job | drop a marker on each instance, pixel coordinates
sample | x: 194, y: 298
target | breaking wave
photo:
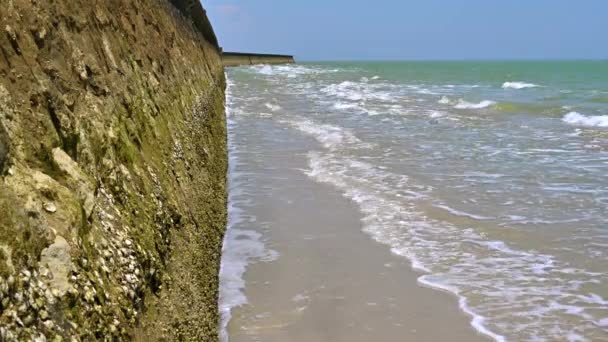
x: 503, y: 289
x: 241, y: 246
x: 578, y: 119
x: 468, y: 105
x: 518, y: 85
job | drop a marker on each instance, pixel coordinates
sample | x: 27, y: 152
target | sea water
x: 489, y: 178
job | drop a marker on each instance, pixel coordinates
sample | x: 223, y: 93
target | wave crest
x: 575, y: 118
x: 518, y: 85
x: 273, y: 107
x: 468, y: 105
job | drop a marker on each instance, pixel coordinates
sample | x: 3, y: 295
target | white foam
x: 264, y: 69
x: 241, y: 246
x: 346, y: 90
x: 503, y: 289
x: 518, y: 85
x: 579, y: 119
x: 424, y: 91
x: 289, y: 71
x: 273, y: 107
x: 372, y: 112
x: 359, y: 91
x: 346, y: 106
x: 444, y: 100
x: 461, y: 213
x: 468, y: 105
x: 510, y: 293
x: 332, y: 137
x: 300, y: 297
x: 436, y: 114
x: 477, y: 321
x: 516, y: 217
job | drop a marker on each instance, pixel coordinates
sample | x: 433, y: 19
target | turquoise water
x: 490, y: 177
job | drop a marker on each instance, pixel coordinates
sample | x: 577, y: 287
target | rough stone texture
x: 76, y: 179
x: 3, y: 148
x: 57, y: 259
x: 194, y: 11
x: 112, y: 170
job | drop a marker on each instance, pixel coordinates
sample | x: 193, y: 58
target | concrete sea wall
x: 239, y: 58
x: 112, y: 170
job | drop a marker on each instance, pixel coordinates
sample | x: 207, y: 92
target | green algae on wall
x: 112, y: 170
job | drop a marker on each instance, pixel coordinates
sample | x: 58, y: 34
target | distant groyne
x: 241, y: 58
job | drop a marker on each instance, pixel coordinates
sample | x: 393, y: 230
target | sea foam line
x: 241, y: 246
x: 288, y: 71
x: 468, y: 105
x: 506, y: 291
x: 503, y: 289
x: 518, y: 85
x: 461, y: 261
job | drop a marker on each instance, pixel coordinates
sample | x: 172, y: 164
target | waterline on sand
x: 449, y: 187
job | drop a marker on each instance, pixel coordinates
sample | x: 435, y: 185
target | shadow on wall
x: 193, y: 10
x: 4, y: 148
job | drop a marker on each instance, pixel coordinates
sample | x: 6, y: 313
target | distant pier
x: 243, y: 58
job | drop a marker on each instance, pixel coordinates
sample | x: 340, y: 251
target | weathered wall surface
x: 236, y: 58
x: 112, y: 170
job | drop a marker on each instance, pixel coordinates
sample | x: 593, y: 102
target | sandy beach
x: 328, y: 281
x: 347, y: 177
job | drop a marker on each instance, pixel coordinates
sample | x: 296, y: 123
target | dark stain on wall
x: 4, y: 148
x: 194, y: 11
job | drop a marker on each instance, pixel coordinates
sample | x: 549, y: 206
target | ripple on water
x: 549, y: 177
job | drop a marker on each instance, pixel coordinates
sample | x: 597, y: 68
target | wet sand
x: 498, y: 198
x: 331, y: 281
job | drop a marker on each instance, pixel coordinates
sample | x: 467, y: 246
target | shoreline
x: 440, y: 186
x: 315, y: 288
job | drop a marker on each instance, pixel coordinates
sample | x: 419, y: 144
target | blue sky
x: 416, y: 29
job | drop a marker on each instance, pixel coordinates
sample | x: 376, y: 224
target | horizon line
x: 604, y: 59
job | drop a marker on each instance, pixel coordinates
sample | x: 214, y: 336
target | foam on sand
x: 578, y: 119
x: 463, y: 229
x: 462, y: 213
x: 502, y: 288
x: 241, y: 246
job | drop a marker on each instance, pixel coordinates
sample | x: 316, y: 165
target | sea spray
x: 579, y: 119
x: 518, y: 85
